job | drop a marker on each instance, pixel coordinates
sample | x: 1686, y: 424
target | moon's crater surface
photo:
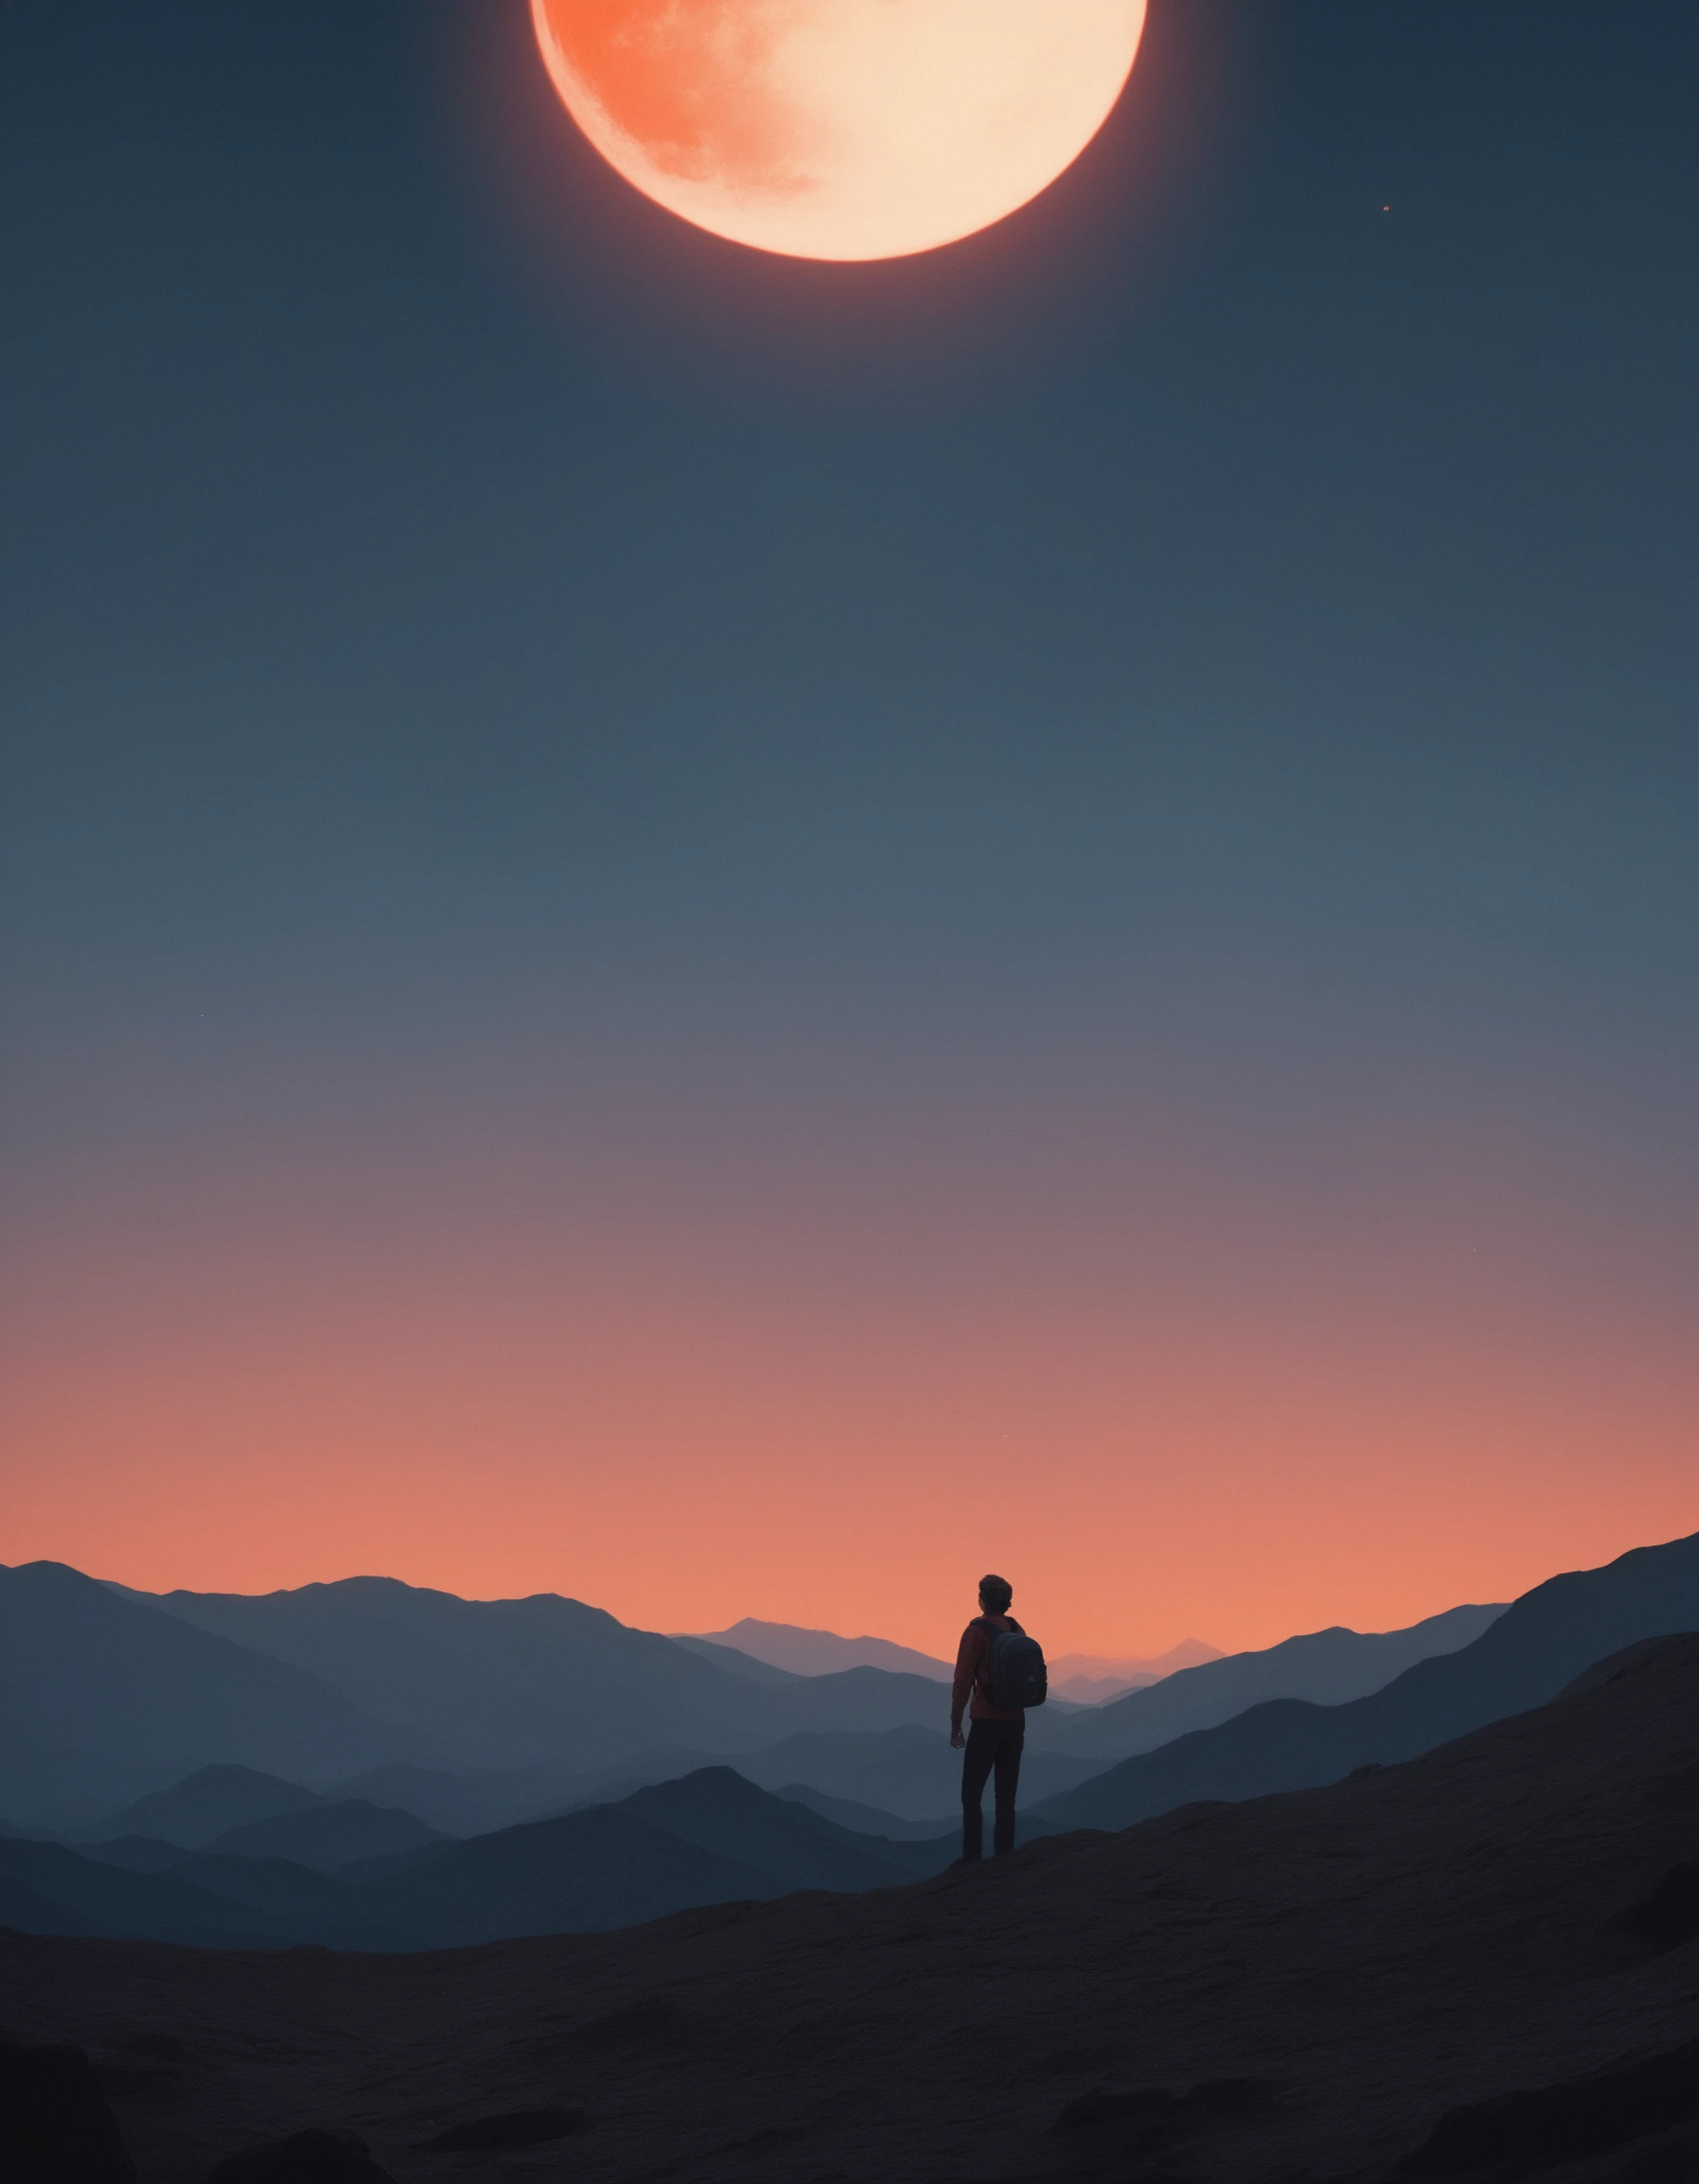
x: 840, y: 129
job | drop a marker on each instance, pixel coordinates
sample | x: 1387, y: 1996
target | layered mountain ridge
x: 476, y: 1714
x: 407, y: 1855
x: 1366, y: 1979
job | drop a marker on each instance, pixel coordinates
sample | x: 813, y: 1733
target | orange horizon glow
x: 1164, y: 1409
x: 836, y: 129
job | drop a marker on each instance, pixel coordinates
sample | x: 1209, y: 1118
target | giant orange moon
x: 841, y: 129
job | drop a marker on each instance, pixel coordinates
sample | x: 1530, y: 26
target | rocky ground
x: 1355, y: 1961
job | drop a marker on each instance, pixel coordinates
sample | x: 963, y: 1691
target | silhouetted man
x: 994, y: 1743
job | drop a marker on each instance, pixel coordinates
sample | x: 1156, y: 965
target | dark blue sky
x: 1224, y: 639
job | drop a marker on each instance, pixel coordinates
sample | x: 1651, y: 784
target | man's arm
x: 969, y: 1655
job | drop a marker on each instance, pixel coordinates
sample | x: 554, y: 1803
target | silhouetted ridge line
x: 1542, y: 1642
x: 1327, y: 1668
x: 120, y: 1696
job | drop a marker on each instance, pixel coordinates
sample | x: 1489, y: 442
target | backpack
x: 1014, y: 1673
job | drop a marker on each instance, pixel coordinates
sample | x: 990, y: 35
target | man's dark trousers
x: 991, y: 1747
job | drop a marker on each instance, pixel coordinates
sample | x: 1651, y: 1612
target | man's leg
x: 976, y: 1765
x: 1009, y: 1745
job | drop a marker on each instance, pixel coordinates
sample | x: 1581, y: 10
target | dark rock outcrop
x: 1563, y: 2122
x: 498, y: 2134
x: 1669, y: 1915
x: 1153, y: 2116
x: 307, y: 2157
x: 55, y: 2126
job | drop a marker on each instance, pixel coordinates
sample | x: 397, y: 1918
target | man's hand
x: 957, y: 1738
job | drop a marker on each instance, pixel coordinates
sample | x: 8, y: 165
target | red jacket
x: 973, y: 1665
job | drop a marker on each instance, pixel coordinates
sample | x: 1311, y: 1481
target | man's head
x: 995, y: 1596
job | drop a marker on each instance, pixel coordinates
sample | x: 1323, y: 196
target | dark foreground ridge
x: 1557, y: 2125
x: 1341, y: 1983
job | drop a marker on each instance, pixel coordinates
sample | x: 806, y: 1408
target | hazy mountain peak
x: 212, y: 1802
x: 1089, y: 1678
x: 806, y: 1652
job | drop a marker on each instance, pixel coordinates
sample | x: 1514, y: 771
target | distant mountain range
x: 102, y: 1697
x: 1136, y: 1704
x: 1526, y: 1656
x: 265, y: 1861
x: 1325, y: 1667
x: 242, y: 1856
x: 474, y: 1714
x: 709, y: 1838
x: 818, y: 1652
x: 1085, y: 1678
x: 107, y: 1693
x: 386, y: 1716
x: 335, y: 1836
x: 500, y: 1682
x: 212, y: 1802
x: 1089, y: 1678
x: 511, y: 1684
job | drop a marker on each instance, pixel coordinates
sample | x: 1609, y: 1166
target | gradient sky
x: 739, y: 937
